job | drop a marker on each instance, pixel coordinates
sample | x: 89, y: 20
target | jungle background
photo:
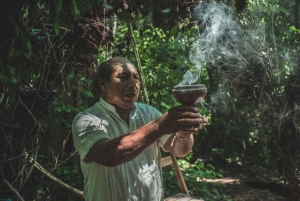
x: 49, y: 51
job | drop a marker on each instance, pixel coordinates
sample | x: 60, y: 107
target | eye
x: 122, y: 76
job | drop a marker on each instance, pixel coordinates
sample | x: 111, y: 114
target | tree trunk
x: 297, y: 7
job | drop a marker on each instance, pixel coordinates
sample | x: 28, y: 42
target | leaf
x: 54, y: 103
x: 71, y: 75
x: 107, y: 6
x: 57, y: 109
x: 75, y: 8
x: 220, y: 175
x: 56, y: 26
x: 148, y: 19
x: 59, y: 6
x: 89, y: 94
x: 13, y: 80
x: 174, y: 30
x: 28, y: 53
x: 215, y: 190
x: 67, y: 109
x: 165, y: 105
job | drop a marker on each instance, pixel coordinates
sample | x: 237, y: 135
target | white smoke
x: 222, y: 41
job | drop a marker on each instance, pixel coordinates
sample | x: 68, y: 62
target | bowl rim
x: 190, y: 87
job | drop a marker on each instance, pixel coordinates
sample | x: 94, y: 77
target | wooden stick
x: 139, y: 65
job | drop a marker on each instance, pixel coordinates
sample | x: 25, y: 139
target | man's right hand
x: 183, y: 118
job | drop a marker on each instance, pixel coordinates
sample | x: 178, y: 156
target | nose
x: 132, y: 82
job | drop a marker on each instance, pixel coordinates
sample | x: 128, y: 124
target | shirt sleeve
x: 86, y: 130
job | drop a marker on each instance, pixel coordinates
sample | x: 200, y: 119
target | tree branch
x: 53, y: 178
x: 9, y: 185
x: 30, y: 114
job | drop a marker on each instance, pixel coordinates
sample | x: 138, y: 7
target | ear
x: 101, y: 84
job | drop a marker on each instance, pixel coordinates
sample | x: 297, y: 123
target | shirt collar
x: 111, y: 108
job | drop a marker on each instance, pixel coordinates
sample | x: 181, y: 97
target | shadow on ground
x: 242, y: 185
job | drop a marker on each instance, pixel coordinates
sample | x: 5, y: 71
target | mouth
x: 130, y: 95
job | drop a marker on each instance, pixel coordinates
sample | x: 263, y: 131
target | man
x: 118, y: 139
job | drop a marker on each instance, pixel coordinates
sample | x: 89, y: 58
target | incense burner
x: 190, y: 94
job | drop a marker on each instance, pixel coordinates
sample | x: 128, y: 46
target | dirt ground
x: 242, y: 185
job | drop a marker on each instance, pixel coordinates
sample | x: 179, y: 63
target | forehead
x: 123, y: 67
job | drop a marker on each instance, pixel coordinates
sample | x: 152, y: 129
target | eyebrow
x: 127, y: 72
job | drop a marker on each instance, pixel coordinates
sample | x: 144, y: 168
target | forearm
x: 179, y: 148
x: 126, y: 147
x: 112, y: 152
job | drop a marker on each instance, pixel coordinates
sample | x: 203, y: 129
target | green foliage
x: 52, y: 48
x: 195, y: 176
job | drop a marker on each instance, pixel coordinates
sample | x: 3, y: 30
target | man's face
x: 123, y: 87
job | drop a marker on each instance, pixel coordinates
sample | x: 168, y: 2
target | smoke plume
x: 221, y: 41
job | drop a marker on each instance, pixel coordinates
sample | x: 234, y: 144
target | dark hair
x: 104, y: 72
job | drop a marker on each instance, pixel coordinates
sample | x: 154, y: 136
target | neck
x: 124, y: 114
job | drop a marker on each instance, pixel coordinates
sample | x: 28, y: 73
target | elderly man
x: 118, y: 139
